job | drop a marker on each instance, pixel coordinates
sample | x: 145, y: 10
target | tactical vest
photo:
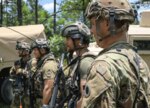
x: 20, y: 64
x: 18, y: 78
x: 130, y: 74
x: 79, y: 71
x: 38, y: 75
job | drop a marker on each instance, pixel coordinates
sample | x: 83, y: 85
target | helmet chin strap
x: 112, y: 28
x: 41, y: 55
x: 78, y: 48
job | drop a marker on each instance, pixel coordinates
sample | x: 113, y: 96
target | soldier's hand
x: 19, y: 71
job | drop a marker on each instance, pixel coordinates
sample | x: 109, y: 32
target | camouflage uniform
x: 79, y: 65
x: 19, y: 76
x: 118, y: 78
x: 17, y: 73
x: 46, y: 68
x: 114, y: 79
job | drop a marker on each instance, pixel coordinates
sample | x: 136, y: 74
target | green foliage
x: 57, y: 45
x: 145, y: 0
x: 10, y: 14
x: 72, y: 10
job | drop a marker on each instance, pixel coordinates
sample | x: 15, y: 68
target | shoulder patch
x: 87, y: 91
x: 104, y: 73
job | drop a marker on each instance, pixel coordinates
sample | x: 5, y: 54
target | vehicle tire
x: 7, y: 91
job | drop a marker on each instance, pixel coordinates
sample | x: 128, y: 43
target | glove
x: 45, y: 106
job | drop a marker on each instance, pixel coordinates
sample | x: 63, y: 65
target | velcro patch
x: 87, y: 91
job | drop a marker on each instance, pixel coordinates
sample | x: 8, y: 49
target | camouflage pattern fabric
x: 38, y: 103
x: 25, y: 102
x: 46, y: 71
x: 19, y: 66
x: 16, y: 70
x: 20, y: 69
x: 31, y: 66
x: 113, y: 80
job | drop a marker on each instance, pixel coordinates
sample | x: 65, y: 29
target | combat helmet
x: 41, y: 43
x: 77, y: 30
x: 117, y: 9
x: 22, y: 46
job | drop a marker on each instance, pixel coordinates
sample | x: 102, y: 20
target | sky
x: 48, y: 4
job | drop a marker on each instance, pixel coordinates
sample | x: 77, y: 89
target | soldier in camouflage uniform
x: 17, y: 73
x: 44, y: 74
x: 77, y: 37
x: 118, y: 78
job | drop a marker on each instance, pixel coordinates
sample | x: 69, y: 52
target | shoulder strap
x: 45, y: 58
x: 75, y: 68
x: 88, y: 54
x: 118, y: 46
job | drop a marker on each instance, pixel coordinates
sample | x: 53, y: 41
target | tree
x: 28, y: 11
x: 70, y: 11
x: 57, y: 45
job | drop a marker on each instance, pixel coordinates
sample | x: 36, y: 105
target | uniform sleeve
x: 15, y: 67
x: 20, y: 71
x: 97, y: 90
x: 16, y: 71
x: 85, y: 64
x: 145, y: 77
x: 49, y: 69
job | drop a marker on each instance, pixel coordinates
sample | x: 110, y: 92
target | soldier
x: 45, y: 72
x: 17, y: 74
x: 77, y: 37
x: 118, y: 78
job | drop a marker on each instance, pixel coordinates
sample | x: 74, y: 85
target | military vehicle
x: 8, y: 53
x: 139, y: 36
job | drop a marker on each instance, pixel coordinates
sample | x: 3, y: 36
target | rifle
x: 72, y: 85
x: 30, y: 84
x: 52, y: 103
x: 31, y: 89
